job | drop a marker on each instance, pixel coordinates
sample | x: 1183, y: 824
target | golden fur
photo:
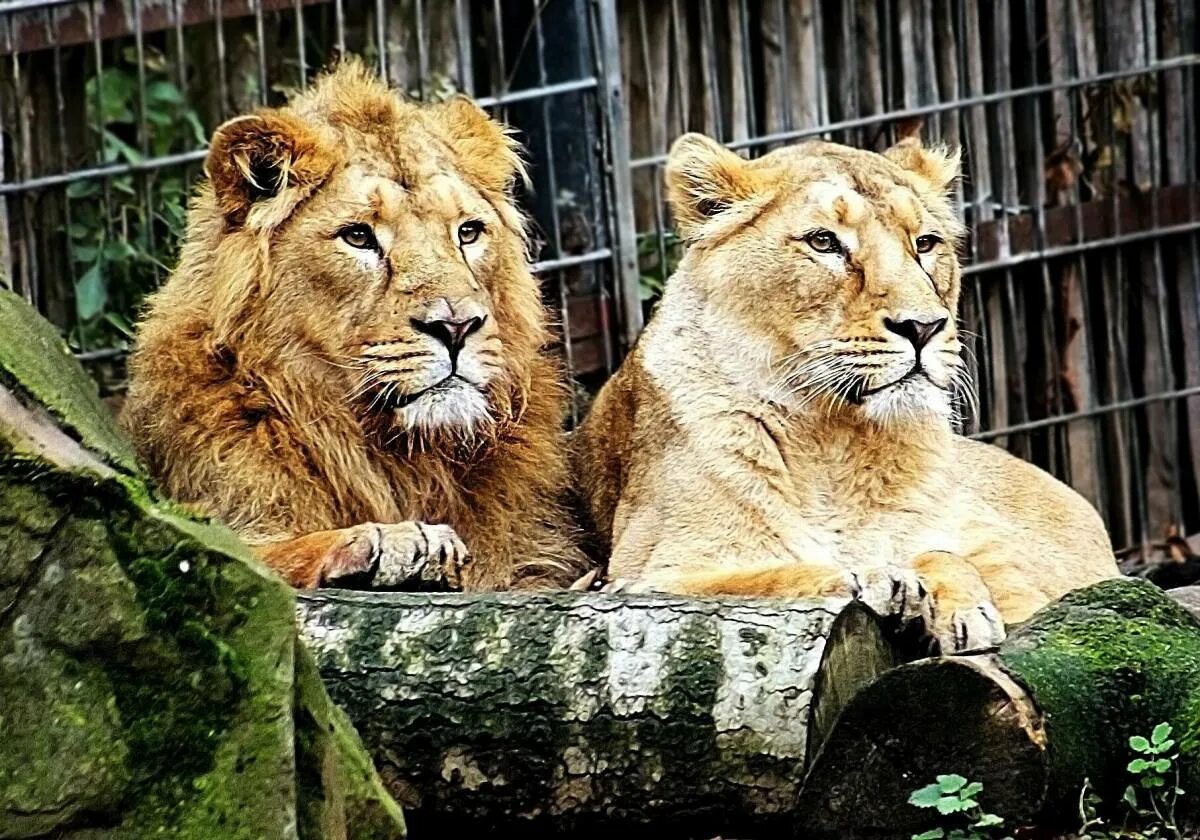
x: 353, y: 347
x: 770, y: 434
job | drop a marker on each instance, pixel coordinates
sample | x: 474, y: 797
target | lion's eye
x: 469, y: 232
x: 823, y: 241
x: 359, y: 236
x: 927, y: 242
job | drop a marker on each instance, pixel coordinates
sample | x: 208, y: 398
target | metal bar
x: 624, y: 234
x: 949, y: 105
x: 151, y: 164
x: 1122, y: 405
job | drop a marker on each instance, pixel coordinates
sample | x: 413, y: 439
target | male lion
x: 783, y: 425
x: 348, y: 365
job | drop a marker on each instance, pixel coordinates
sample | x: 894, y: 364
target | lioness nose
x: 452, y: 332
x: 918, y: 332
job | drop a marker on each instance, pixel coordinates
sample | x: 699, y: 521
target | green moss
x: 1105, y: 663
x: 35, y: 358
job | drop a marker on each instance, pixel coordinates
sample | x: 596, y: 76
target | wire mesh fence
x: 1082, y: 290
x: 1081, y: 298
x: 107, y: 106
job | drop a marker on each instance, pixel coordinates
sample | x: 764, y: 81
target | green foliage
x: 124, y: 233
x: 657, y: 263
x: 956, y: 800
x: 1147, y: 809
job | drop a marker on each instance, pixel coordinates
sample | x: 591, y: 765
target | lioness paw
x: 966, y: 629
x: 403, y: 554
x: 890, y: 591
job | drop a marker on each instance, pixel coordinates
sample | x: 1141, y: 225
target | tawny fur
x: 739, y: 448
x: 262, y: 384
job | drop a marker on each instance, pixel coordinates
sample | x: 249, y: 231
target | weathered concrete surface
x: 575, y: 712
x: 151, y: 683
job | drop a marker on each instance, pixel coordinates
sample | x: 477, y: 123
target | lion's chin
x: 913, y: 399
x: 458, y: 407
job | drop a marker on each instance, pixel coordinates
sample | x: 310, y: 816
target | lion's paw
x: 966, y: 628
x: 890, y: 591
x: 403, y: 554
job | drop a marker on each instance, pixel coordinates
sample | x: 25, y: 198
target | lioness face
x: 391, y: 247
x: 835, y: 269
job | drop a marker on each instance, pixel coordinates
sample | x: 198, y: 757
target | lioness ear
x: 937, y: 167
x: 270, y: 156
x: 704, y: 179
x: 485, y: 150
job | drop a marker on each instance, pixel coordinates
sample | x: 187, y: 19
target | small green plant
x: 956, y: 801
x: 123, y: 237
x: 1149, y: 801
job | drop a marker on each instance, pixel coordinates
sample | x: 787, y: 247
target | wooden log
x: 551, y: 713
x: 1057, y: 704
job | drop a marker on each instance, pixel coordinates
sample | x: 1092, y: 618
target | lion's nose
x: 917, y: 331
x: 452, y: 332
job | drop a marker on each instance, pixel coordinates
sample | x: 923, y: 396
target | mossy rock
x: 151, y: 681
x: 1106, y: 663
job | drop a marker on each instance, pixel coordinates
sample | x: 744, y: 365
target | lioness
x: 348, y: 364
x: 783, y: 425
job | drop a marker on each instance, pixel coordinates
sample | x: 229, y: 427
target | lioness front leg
x: 889, y: 591
x: 393, y: 555
x: 960, y: 613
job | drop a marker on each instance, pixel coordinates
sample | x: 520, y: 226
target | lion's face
x: 832, y: 271
x: 400, y: 258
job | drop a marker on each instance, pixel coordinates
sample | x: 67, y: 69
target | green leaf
x: 925, y: 797
x: 1162, y: 765
x: 90, y: 294
x: 119, y: 249
x: 1138, y: 765
x: 1130, y: 797
x: 971, y: 790
x: 164, y: 91
x: 1164, y: 746
x: 951, y: 805
x: 987, y: 820
x: 1160, y: 733
x: 1139, y: 743
x: 83, y: 189
x: 84, y: 253
x: 119, y: 323
x: 932, y: 834
x: 951, y: 783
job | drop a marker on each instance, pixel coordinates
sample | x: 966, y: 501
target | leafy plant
x: 1148, y: 802
x: 656, y: 265
x: 124, y: 233
x: 955, y: 800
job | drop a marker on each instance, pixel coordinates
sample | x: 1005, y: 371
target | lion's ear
x: 704, y: 179
x: 269, y: 158
x: 485, y: 150
x: 938, y: 166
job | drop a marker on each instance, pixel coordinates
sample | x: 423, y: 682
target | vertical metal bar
x: 785, y: 68
x: 612, y: 103
x: 222, y: 81
x: 260, y: 47
x: 462, y: 42
x: 500, y: 84
x: 301, y: 57
x: 339, y: 26
x: 422, y: 52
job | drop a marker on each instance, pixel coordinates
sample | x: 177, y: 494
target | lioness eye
x: 359, y: 236
x: 468, y: 232
x: 927, y: 242
x: 823, y: 241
